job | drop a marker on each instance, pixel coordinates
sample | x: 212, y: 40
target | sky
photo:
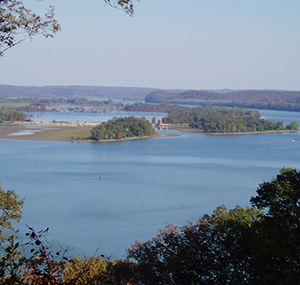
x: 168, y: 44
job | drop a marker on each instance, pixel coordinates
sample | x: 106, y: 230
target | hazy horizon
x: 190, y: 45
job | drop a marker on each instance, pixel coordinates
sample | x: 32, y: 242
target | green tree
x: 119, y: 128
x: 239, y: 246
x: 11, y: 115
x: 217, y: 249
x: 10, y: 212
x: 278, y: 247
x: 293, y: 126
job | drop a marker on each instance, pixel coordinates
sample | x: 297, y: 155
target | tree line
x: 259, y: 99
x: 280, y: 106
x: 251, y: 245
x: 38, y: 104
x: 123, y: 127
x: 226, y: 120
x: 262, y: 96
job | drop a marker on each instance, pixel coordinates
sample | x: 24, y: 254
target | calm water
x: 111, y: 194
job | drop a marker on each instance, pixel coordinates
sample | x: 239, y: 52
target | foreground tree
x: 216, y: 249
x: 18, y: 23
x: 10, y: 212
x: 278, y: 247
x: 240, y: 246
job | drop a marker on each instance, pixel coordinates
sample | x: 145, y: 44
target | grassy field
x: 63, y: 134
x: 46, y: 133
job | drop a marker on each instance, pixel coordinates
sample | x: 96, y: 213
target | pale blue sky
x: 186, y: 44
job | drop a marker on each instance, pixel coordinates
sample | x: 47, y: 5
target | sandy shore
x: 56, y: 124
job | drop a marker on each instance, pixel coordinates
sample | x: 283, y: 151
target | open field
x: 43, y: 132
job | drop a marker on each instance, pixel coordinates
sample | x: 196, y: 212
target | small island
x: 122, y: 128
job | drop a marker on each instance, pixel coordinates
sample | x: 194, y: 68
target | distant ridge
x: 260, y: 99
x: 75, y: 91
x: 241, y: 95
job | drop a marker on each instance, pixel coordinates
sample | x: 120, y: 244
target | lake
x: 107, y: 195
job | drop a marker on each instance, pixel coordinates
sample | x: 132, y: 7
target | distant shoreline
x: 254, y: 133
x: 55, y: 124
x: 232, y: 134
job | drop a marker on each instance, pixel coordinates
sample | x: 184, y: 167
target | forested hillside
x: 263, y: 99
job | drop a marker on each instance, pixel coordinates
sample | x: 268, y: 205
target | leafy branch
x: 18, y: 23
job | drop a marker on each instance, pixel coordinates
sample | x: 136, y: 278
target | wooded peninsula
x: 225, y: 120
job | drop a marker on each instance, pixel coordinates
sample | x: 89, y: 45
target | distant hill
x: 259, y: 99
x: 243, y: 95
x: 134, y: 93
x: 264, y: 99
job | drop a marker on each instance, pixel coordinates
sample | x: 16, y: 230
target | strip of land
x: 44, y: 132
x: 79, y: 132
x: 54, y: 132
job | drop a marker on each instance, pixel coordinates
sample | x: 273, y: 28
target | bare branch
x: 125, y: 5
